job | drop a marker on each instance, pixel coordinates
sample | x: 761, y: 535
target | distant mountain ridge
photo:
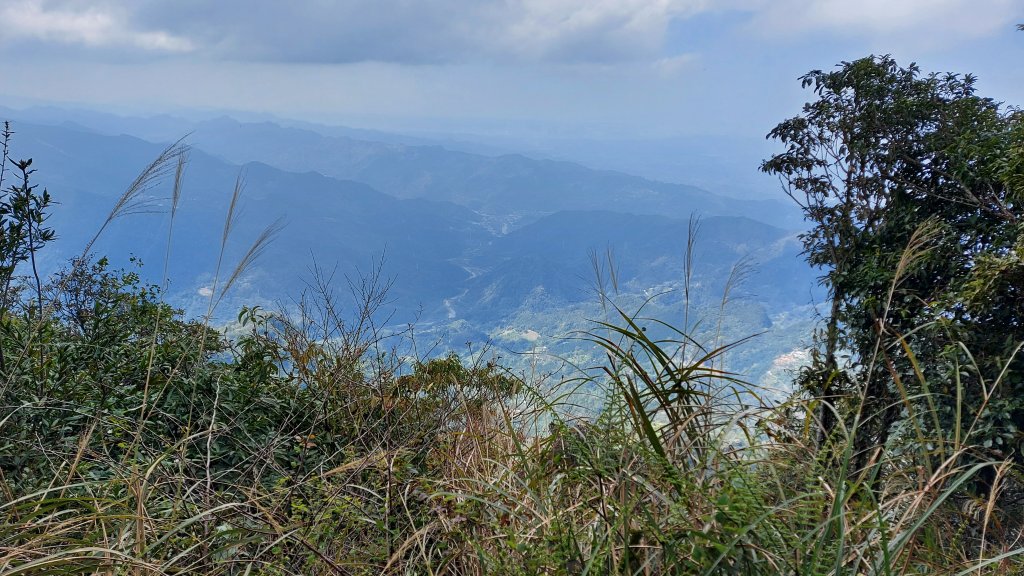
x: 510, y: 184
x: 473, y: 244
x: 511, y: 187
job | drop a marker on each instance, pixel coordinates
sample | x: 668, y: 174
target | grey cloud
x: 419, y: 31
x: 41, y: 25
x: 385, y: 30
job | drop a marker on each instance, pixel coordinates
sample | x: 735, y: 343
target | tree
x: 23, y: 215
x: 912, y: 184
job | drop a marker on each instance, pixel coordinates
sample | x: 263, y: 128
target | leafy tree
x: 23, y: 215
x: 912, y: 184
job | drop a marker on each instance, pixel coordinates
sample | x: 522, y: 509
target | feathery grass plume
x: 256, y: 249
x: 738, y: 273
x: 229, y: 222
x: 920, y: 244
x: 233, y: 212
x: 692, y: 232
x: 134, y: 199
x: 179, y: 173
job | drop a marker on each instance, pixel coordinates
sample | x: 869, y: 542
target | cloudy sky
x: 629, y: 67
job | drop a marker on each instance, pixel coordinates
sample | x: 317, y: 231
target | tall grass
x: 307, y: 444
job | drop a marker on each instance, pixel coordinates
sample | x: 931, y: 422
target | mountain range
x: 476, y: 247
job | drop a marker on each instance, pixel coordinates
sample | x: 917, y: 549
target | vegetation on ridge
x: 138, y: 441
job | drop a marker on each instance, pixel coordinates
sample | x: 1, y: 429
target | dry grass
x: 308, y: 445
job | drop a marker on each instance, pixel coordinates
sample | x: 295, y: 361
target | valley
x: 474, y: 249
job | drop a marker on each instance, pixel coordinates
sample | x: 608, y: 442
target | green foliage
x: 22, y: 218
x: 23, y: 214
x: 912, y: 184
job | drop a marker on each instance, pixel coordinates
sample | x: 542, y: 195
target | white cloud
x: 349, y: 31
x: 576, y: 29
x: 480, y: 31
x: 920, y: 21
x: 92, y: 26
x: 424, y: 31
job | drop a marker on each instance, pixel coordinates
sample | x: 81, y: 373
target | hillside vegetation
x: 138, y: 440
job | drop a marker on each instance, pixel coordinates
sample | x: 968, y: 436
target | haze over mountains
x: 482, y: 248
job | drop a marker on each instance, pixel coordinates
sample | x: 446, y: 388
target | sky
x: 621, y: 68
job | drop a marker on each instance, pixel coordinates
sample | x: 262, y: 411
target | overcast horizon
x: 624, y: 68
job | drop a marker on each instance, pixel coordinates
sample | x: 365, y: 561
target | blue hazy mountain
x: 475, y: 171
x: 648, y: 251
x: 332, y: 222
x: 503, y: 186
x: 476, y: 247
